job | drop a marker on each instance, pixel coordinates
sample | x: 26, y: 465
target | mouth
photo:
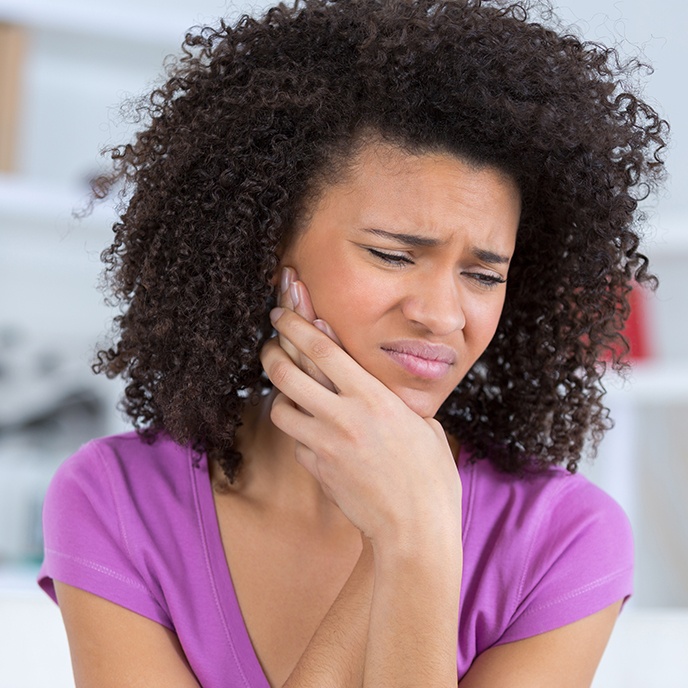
x: 421, y: 359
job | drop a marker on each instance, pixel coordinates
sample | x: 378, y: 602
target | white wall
x: 84, y: 58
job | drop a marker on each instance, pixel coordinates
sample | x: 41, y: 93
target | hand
x: 390, y: 471
x: 295, y: 296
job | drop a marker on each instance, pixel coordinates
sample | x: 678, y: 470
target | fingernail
x: 285, y: 280
x: 323, y: 327
x: 276, y: 314
x: 294, y: 293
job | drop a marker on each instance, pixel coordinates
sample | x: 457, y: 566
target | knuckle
x: 374, y: 402
x: 310, y: 369
x: 279, y: 373
x: 350, y: 432
x: 321, y: 349
x: 267, y: 351
x: 276, y: 413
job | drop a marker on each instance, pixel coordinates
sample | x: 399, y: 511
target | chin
x: 421, y: 403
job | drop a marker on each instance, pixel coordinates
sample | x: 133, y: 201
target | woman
x: 290, y: 512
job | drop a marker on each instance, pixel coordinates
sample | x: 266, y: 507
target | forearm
x: 335, y: 656
x: 412, y: 638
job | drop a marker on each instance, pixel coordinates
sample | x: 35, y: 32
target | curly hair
x: 256, y: 117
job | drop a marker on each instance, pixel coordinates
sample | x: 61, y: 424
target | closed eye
x: 484, y: 280
x: 390, y: 258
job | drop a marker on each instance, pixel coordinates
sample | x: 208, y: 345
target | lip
x: 421, y: 359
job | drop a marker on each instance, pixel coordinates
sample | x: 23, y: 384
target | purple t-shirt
x: 136, y: 524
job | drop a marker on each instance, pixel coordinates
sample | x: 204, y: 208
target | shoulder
x: 112, y: 515
x: 122, y: 483
x: 127, y: 452
x: 539, y: 506
x: 551, y: 547
x: 117, y: 465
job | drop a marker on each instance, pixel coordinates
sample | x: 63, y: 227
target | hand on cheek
x: 390, y: 471
x: 294, y: 296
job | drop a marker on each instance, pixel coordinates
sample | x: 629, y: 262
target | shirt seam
x: 102, y: 569
x: 118, y: 513
x: 533, y: 539
x: 470, y: 468
x: 578, y: 592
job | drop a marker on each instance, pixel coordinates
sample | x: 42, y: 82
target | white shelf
x: 655, y: 382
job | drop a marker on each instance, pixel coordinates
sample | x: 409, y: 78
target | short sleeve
x: 580, y: 561
x: 86, y: 542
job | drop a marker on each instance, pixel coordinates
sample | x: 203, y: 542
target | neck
x: 271, y: 478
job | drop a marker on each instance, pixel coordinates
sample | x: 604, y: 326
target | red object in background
x: 636, y: 326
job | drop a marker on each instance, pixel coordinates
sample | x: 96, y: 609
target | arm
x: 335, y: 655
x: 414, y: 616
x: 414, y: 612
x: 365, y: 446
x: 566, y: 657
x: 112, y: 647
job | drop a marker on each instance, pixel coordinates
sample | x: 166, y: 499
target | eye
x: 485, y: 280
x: 390, y: 258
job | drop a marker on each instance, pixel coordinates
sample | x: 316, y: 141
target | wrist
x: 419, y: 551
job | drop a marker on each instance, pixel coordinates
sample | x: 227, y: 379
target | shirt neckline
x: 220, y: 576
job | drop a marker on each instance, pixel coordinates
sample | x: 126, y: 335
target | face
x: 407, y: 260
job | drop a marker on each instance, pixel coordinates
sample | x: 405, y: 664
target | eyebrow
x: 490, y: 256
x: 416, y: 241
x: 407, y: 239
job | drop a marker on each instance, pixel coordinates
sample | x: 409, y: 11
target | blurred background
x: 66, y: 66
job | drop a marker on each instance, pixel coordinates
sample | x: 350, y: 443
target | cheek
x: 351, y: 301
x: 333, y: 289
x: 482, y: 316
x: 348, y: 304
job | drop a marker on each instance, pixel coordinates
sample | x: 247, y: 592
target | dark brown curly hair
x: 256, y: 117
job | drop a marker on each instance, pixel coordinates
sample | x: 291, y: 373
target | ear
x: 286, y: 257
x: 274, y: 280
x: 276, y: 275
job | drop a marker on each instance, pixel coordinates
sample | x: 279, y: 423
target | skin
x: 336, y: 452
x: 449, y: 293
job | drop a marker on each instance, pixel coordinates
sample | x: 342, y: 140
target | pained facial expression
x: 407, y: 259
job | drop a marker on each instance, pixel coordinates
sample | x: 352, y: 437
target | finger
x: 294, y: 295
x: 287, y: 276
x: 289, y: 379
x: 303, y: 306
x: 302, y: 301
x: 310, y: 461
x: 282, y: 416
x: 285, y: 301
x: 346, y: 374
x: 301, y: 427
x: 325, y: 327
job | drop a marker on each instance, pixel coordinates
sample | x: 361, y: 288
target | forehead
x: 434, y: 193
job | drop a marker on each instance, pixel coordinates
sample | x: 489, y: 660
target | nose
x: 435, y: 302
